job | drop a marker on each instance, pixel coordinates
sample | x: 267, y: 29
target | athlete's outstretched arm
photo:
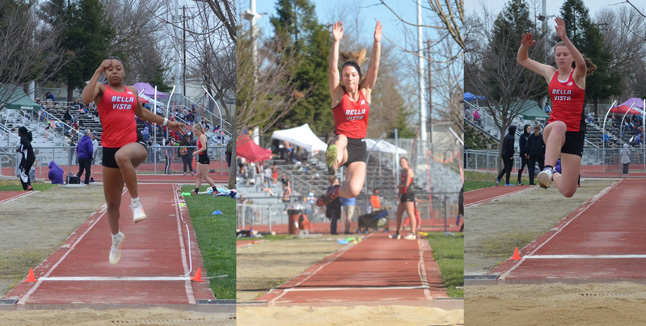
x: 93, y: 89
x: 373, y: 69
x: 581, y: 69
x: 523, y: 59
x: 333, y: 69
x: 151, y: 117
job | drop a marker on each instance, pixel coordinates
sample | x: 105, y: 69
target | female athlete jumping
x: 123, y: 147
x: 564, y: 134
x: 350, y: 106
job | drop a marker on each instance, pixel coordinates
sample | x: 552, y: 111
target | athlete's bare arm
x: 151, y: 117
x: 523, y: 59
x: 581, y: 69
x: 94, y: 90
x: 336, y: 91
x: 371, y: 76
x: 203, y: 140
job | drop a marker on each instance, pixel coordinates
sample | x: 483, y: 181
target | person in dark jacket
x: 85, y: 150
x: 28, y: 157
x: 524, y: 153
x: 536, y: 148
x: 333, y: 209
x: 507, y: 156
x: 55, y: 174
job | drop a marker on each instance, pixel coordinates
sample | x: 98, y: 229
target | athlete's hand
x: 105, y: 65
x: 177, y: 126
x: 337, y: 30
x: 527, y: 40
x: 378, y: 32
x: 560, y: 28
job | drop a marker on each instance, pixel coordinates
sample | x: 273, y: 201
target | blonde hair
x: 198, y: 127
x: 357, y: 56
x: 591, y: 67
x: 537, y: 129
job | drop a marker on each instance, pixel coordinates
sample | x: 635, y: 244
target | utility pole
x: 422, y: 95
x: 430, y: 93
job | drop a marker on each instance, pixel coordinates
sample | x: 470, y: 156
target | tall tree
x: 585, y: 35
x: 299, y: 33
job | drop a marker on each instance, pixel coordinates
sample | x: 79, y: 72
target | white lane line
x: 355, y: 288
x: 8, y: 200
x: 114, y: 278
x: 421, y: 268
x: 585, y: 257
x: 190, y: 295
x: 584, y: 208
x: 487, y: 200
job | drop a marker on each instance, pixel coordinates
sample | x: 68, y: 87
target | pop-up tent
x: 383, y: 147
x: 18, y: 100
x: 149, y: 91
x: 245, y: 147
x: 635, y: 102
x: 622, y: 109
x: 301, y: 136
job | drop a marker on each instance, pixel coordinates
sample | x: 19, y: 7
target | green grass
x: 477, y: 180
x: 16, y: 186
x: 448, y: 252
x: 216, y: 239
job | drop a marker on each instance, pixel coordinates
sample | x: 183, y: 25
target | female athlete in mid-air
x: 123, y: 147
x: 564, y: 134
x: 350, y: 106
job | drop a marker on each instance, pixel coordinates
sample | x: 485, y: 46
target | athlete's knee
x: 355, y: 189
x: 121, y: 158
x: 113, y: 205
x: 568, y: 192
x: 559, y: 127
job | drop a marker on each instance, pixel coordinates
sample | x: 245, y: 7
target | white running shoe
x: 115, y: 251
x: 410, y: 236
x: 395, y: 236
x: 138, y: 213
x: 544, y: 178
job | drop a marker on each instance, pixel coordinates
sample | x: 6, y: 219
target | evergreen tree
x: 585, y: 35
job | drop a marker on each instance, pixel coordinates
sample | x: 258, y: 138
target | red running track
x: 9, y: 196
x: 489, y: 194
x: 601, y: 240
x: 375, y: 270
x: 436, y: 226
x: 152, y: 251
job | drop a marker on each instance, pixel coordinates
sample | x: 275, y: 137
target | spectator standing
x: 287, y: 195
x: 625, y: 158
x: 27, y: 157
x: 267, y: 175
x: 348, y: 205
x: 507, y: 156
x: 536, y: 148
x: 186, y: 154
x: 85, y: 151
x: 67, y: 117
x: 524, y: 152
x: 333, y: 209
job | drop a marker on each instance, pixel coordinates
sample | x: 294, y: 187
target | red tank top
x: 403, y: 179
x: 199, y: 146
x: 568, y: 101
x: 351, y: 118
x: 117, y: 113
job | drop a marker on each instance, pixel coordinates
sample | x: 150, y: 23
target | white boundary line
x: 586, y: 205
x: 8, y: 200
x: 585, y: 257
x: 115, y: 278
x: 488, y: 200
x: 360, y: 288
x: 285, y: 291
x: 187, y: 284
x: 421, y: 266
x: 104, y: 210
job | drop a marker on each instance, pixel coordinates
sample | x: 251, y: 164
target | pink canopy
x: 245, y: 147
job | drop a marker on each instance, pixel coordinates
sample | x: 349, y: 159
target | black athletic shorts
x: 203, y: 159
x: 574, y: 143
x: 108, y: 159
x: 357, y: 151
x: 407, y: 197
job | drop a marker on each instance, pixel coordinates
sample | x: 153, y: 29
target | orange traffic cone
x: 198, y: 276
x: 516, y: 256
x: 30, y: 277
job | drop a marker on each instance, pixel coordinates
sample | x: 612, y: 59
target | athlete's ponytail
x: 353, y: 59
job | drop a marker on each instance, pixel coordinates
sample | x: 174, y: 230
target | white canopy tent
x: 301, y: 136
x: 383, y: 147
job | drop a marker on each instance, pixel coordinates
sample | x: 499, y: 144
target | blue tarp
x: 471, y: 97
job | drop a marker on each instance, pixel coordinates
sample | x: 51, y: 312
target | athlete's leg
x: 112, y: 188
x: 128, y: 158
x: 410, y: 210
x: 566, y: 182
x: 400, y: 211
x: 205, y: 174
x: 341, y: 143
x: 554, y: 138
x: 198, y: 181
x: 355, y: 176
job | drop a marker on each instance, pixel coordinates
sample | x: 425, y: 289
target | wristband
x: 165, y: 122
